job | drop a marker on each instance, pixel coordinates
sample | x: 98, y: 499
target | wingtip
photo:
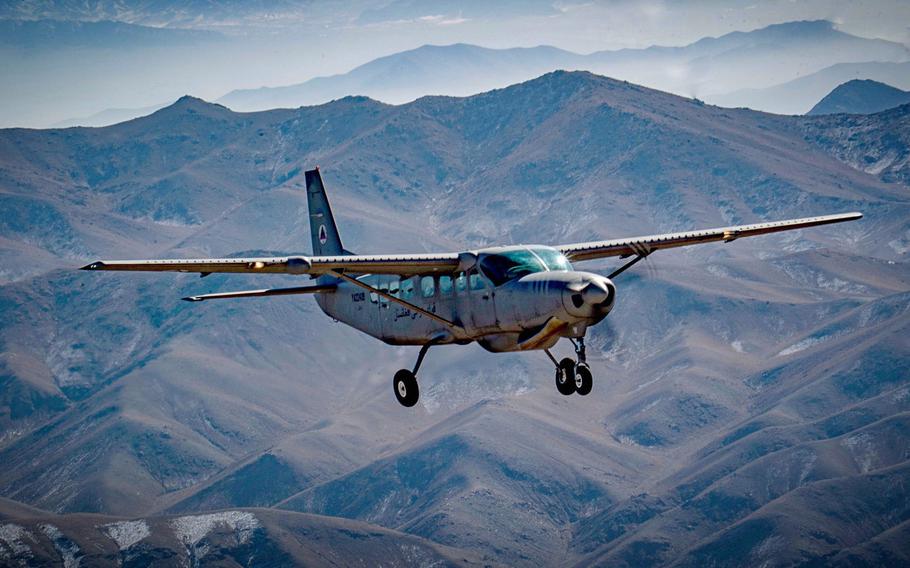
x: 192, y: 299
x: 93, y: 266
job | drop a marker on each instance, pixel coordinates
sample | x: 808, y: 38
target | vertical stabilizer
x: 323, y: 231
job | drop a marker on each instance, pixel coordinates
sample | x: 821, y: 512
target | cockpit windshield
x: 505, y: 266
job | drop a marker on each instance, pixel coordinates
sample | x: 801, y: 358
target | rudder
x: 323, y: 231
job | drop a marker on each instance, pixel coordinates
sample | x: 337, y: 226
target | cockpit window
x: 503, y: 267
x: 553, y: 259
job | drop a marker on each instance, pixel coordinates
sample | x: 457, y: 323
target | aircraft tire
x: 406, y: 390
x: 584, y: 380
x: 565, y: 377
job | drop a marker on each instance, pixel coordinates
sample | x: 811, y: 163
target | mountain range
x: 750, y: 400
x: 707, y: 68
x: 811, y: 58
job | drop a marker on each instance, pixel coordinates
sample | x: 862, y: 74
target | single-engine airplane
x: 506, y: 298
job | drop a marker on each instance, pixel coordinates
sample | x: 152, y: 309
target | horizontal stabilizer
x: 328, y: 288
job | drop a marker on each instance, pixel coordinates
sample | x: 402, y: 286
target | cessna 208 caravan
x: 506, y: 298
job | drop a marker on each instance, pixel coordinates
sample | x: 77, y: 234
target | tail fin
x: 323, y: 230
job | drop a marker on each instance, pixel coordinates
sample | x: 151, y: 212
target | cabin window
x: 475, y: 282
x: 394, y: 287
x: 383, y: 301
x: 461, y: 282
x: 407, y: 288
x: 428, y: 286
x: 374, y: 297
x: 445, y: 285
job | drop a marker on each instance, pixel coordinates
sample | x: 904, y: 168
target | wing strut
x: 628, y: 265
x: 267, y: 292
x: 392, y: 298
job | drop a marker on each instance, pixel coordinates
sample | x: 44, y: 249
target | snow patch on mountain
x: 862, y: 448
x: 126, y: 533
x: 12, y: 544
x: 66, y: 548
x: 193, y: 528
x: 802, y: 345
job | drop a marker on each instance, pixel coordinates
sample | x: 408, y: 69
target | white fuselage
x: 531, y: 311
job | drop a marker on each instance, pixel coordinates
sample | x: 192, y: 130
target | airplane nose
x: 594, y: 294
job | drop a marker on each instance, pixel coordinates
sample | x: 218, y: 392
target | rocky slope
x: 733, y: 382
x: 877, y: 143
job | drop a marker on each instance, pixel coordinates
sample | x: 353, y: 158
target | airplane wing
x: 401, y: 264
x: 406, y: 265
x: 648, y: 244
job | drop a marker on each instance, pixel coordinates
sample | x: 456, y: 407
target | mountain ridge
x: 713, y: 355
x: 407, y: 75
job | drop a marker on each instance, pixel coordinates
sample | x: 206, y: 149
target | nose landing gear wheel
x: 406, y: 390
x: 584, y: 380
x: 565, y: 377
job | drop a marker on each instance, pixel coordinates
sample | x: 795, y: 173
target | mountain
x: 457, y: 70
x: 799, y: 95
x: 748, y: 397
x: 861, y: 97
x: 758, y: 58
x: 743, y: 60
x: 243, y: 537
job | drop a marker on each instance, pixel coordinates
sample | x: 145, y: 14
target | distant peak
x: 189, y: 99
x: 820, y: 25
x: 861, y: 96
x: 798, y: 28
x: 563, y: 75
x: 191, y: 104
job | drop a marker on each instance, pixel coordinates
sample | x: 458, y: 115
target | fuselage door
x: 476, y: 300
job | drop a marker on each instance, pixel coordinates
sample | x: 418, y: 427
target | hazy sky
x: 48, y: 79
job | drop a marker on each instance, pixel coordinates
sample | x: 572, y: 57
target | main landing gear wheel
x: 572, y: 377
x: 584, y: 380
x: 565, y: 377
x: 406, y: 390
x: 405, y: 381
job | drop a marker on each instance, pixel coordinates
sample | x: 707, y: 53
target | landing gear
x: 572, y: 377
x: 405, y: 382
x: 584, y: 380
x: 565, y: 377
x: 406, y: 390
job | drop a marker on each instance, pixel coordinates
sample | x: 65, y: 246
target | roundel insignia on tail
x: 323, y: 236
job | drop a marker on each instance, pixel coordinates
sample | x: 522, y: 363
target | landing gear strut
x: 572, y: 376
x: 405, y: 382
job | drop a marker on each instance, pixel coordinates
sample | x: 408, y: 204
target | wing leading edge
x: 647, y: 244
x: 418, y: 264
x: 401, y: 264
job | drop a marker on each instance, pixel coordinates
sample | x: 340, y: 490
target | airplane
x: 506, y: 298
